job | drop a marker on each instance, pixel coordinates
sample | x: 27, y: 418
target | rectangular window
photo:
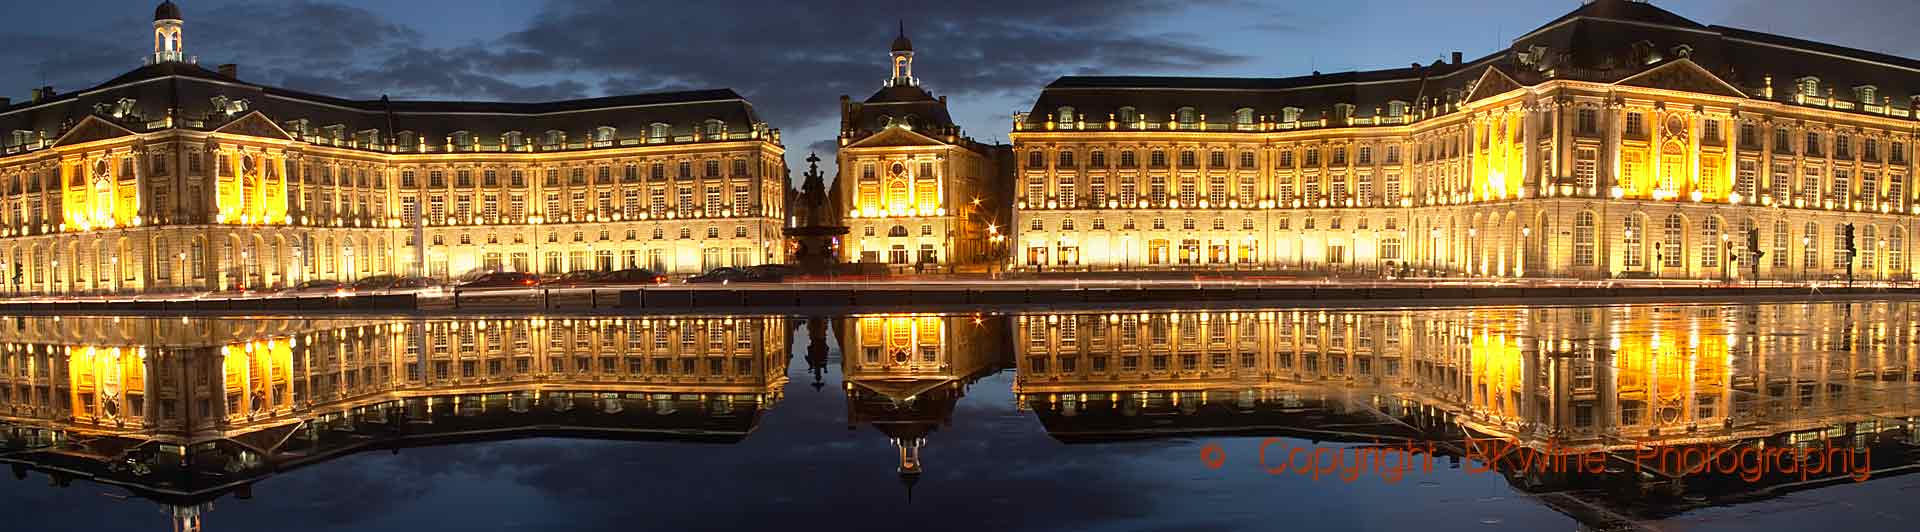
x: 1744, y: 179
x: 1585, y: 169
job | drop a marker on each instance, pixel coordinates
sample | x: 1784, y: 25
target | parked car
x: 722, y: 274
x: 503, y: 280
x: 374, y: 283
x: 772, y: 273
x: 415, y: 283
x: 573, y: 278
x: 316, y: 286
x: 630, y: 276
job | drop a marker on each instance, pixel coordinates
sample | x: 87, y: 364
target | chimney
x: 5, y: 101
x: 233, y: 71
x: 1456, y: 58
x: 42, y: 94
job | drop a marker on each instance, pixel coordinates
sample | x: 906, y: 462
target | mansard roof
x: 193, y: 95
x: 1602, y: 41
x: 1217, y: 99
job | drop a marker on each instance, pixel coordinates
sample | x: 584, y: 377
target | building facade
x: 912, y: 188
x: 172, y: 176
x: 1620, y: 140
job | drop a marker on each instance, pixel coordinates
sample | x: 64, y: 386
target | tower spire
x: 166, y: 33
x: 902, y: 52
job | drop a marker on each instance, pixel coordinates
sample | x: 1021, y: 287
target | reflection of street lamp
x: 56, y: 274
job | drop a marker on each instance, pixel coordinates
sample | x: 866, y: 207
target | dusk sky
x: 794, y: 59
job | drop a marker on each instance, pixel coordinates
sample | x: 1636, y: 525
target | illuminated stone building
x: 912, y: 188
x: 184, y: 411
x: 173, y: 176
x: 1620, y: 140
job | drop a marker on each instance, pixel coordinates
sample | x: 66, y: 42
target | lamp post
x: 1473, y: 234
x: 115, y: 272
x: 183, y: 265
x: 1526, y: 247
x: 1727, y: 254
x: 1805, y: 242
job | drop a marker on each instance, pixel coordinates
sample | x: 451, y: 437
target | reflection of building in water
x: 905, y: 374
x: 183, y: 411
x: 1559, y: 380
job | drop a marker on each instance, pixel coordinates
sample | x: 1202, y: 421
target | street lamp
x: 1526, y: 247
x: 1805, y: 242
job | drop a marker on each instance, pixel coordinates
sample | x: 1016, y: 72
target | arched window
x: 1810, y: 247
x: 1868, y: 236
x: 716, y: 128
x: 1065, y: 117
x: 659, y: 132
x: 1583, y: 239
x: 1711, y: 239
x: 898, y: 230
x: 1672, y: 239
x: 1634, y: 235
x: 603, y: 134
x: 1243, y: 116
x: 1186, y: 116
x: 1897, y: 252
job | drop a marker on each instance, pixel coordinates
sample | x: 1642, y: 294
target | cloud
x: 793, y: 59
x: 1862, y: 24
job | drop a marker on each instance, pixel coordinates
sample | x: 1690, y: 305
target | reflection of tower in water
x: 905, y: 374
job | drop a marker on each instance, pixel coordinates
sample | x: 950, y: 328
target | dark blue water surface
x: 1108, y: 420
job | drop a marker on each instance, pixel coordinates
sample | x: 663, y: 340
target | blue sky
x: 793, y: 59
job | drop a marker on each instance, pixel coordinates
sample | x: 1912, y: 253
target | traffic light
x: 1753, y: 241
x: 1851, y: 249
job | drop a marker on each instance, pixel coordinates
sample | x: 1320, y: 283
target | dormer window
x: 512, y: 140
x: 461, y: 140
x: 1396, y: 108
x: 716, y: 129
x: 1290, y: 114
x: 603, y: 136
x: 1065, y: 117
x: 298, y: 127
x: 1243, y: 116
x: 405, y: 141
x: 1867, y: 94
x: 555, y: 139
x: 659, y: 132
x: 1808, y: 86
x: 367, y: 138
x: 336, y: 133
x: 1344, y: 111
x: 1186, y: 116
x: 1129, y: 115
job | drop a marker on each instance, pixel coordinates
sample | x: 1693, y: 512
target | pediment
x: 254, y: 124
x: 90, y: 129
x: 896, y: 136
x: 1492, y: 82
x: 1682, y: 75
